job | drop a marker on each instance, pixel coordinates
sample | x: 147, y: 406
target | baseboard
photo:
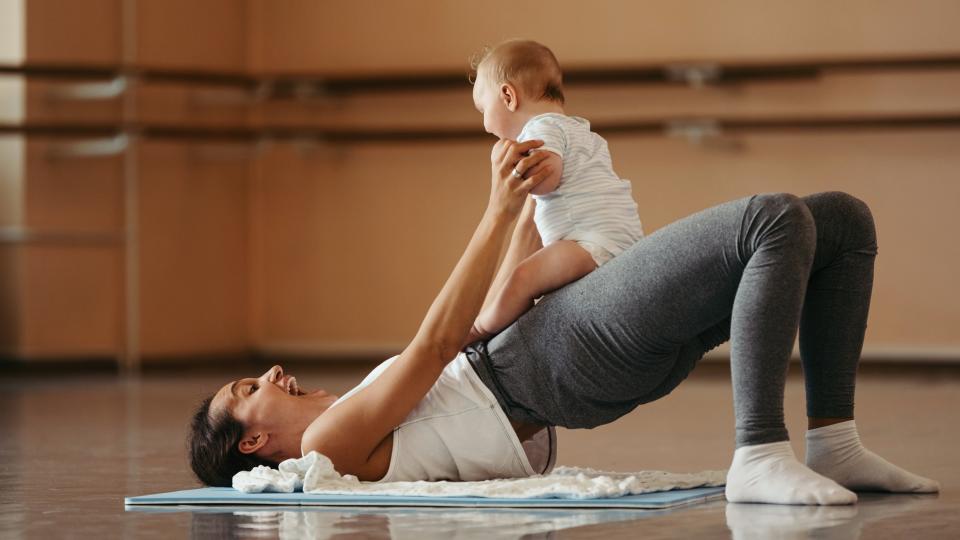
x: 875, y: 354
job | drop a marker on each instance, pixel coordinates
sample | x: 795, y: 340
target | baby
x: 584, y: 212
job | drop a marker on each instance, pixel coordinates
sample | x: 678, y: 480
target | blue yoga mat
x: 230, y: 496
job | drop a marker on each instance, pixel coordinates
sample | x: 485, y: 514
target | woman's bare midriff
x: 380, y: 459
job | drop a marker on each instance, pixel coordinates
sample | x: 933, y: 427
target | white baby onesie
x: 592, y: 205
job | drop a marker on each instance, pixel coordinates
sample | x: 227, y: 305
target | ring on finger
x: 517, y: 173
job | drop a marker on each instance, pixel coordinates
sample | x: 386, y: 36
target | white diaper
x: 600, y: 254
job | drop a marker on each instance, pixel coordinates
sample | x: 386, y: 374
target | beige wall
x: 373, y: 35
x: 173, y: 34
x: 194, y: 262
x: 354, y: 241
x: 65, y: 298
x: 339, y: 249
x: 350, y: 258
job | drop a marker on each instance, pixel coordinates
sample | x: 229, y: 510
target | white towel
x: 314, y: 473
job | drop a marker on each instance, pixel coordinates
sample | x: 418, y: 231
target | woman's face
x: 271, y: 404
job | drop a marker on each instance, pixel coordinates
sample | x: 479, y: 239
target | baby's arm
x: 548, y: 269
x: 555, y: 162
x: 551, y: 132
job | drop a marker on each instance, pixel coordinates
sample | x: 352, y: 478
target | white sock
x: 835, y: 452
x: 770, y: 473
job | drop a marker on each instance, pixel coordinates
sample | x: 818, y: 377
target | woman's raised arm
x: 455, y: 308
x: 349, y: 432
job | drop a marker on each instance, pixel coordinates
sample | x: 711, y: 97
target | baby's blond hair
x: 526, y: 64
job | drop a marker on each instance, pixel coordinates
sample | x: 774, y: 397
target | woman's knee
x: 855, y: 214
x: 797, y: 216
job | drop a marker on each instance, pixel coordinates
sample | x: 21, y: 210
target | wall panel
x: 375, y: 36
x: 352, y: 252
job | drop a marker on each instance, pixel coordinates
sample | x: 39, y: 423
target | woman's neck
x: 286, y: 448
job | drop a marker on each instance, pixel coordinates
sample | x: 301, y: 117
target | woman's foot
x: 770, y: 473
x: 835, y: 451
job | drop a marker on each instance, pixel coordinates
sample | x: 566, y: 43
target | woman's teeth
x: 291, y: 387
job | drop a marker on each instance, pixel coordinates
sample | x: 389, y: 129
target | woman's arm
x: 348, y: 433
x: 460, y: 300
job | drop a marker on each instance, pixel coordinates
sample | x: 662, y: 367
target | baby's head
x: 515, y: 81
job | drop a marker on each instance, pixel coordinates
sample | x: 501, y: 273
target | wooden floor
x: 73, y: 447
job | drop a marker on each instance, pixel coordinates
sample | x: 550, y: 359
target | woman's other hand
x: 508, y: 191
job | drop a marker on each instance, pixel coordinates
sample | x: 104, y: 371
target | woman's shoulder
x: 352, y: 430
x: 375, y: 468
x: 319, y: 422
x: 374, y: 373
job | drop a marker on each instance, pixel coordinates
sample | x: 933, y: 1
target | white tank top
x: 459, y: 432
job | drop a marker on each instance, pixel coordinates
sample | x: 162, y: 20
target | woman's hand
x: 509, y: 191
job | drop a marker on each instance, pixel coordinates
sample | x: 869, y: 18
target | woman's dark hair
x: 214, y: 453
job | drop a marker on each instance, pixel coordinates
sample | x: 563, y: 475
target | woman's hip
x: 631, y: 330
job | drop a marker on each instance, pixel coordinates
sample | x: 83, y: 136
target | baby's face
x: 497, y: 118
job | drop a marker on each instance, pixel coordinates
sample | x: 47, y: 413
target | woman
x: 750, y: 270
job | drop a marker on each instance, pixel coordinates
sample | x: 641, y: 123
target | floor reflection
x: 744, y: 521
x: 794, y: 522
x: 394, y: 523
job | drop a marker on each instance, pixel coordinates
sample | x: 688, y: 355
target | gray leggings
x: 750, y: 270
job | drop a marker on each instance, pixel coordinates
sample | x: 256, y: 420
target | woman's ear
x: 509, y: 97
x: 252, y: 443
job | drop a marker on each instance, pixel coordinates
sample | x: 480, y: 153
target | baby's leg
x: 549, y: 268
